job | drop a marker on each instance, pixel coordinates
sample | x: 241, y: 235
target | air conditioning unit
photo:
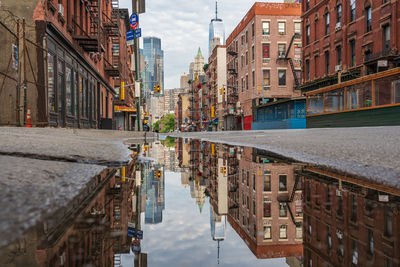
x: 338, y: 26
x: 281, y: 54
x: 338, y: 68
x: 61, y: 9
x: 338, y: 193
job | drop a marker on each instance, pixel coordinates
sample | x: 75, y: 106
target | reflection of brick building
x: 262, y: 208
x: 349, y: 222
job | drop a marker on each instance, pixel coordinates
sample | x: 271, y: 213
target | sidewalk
x: 369, y: 152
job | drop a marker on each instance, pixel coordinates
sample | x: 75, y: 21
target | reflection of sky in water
x: 184, y: 238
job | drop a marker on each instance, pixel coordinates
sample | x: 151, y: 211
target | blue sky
x: 182, y: 26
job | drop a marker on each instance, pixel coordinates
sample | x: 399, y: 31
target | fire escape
x: 87, y: 30
x: 290, y: 60
x: 232, y: 90
x: 113, y: 35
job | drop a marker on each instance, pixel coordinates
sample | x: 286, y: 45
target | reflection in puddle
x: 204, y: 204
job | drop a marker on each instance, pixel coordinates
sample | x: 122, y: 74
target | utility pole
x: 135, y: 8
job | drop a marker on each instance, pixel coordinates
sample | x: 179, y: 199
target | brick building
x: 265, y: 204
x: 349, y: 222
x: 75, y: 56
x: 347, y: 46
x: 263, y: 58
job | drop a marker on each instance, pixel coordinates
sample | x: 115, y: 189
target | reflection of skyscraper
x: 217, y: 30
x: 153, y: 187
x: 154, y: 65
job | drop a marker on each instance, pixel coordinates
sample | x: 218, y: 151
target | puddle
x: 203, y: 204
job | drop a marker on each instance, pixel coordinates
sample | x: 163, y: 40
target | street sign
x: 135, y: 246
x: 131, y: 233
x: 138, y: 32
x: 130, y: 35
x: 134, y: 20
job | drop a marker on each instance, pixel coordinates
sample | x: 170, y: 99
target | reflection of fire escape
x: 89, y: 36
x: 112, y: 30
x: 285, y: 199
x: 290, y: 60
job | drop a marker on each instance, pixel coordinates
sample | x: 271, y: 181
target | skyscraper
x: 154, y: 65
x: 217, y: 30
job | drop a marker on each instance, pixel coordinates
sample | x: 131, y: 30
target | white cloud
x: 183, y: 25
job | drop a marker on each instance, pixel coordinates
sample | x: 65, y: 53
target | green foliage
x: 156, y: 126
x: 169, y: 142
x: 166, y: 124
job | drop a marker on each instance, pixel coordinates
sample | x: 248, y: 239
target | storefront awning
x: 124, y: 108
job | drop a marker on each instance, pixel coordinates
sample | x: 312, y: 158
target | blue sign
x: 131, y: 233
x: 138, y: 32
x: 129, y: 35
x: 134, y: 20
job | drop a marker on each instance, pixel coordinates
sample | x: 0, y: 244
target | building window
x: 327, y: 62
x: 282, y: 182
x: 307, y: 4
x: 307, y: 69
x: 247, y: 82
x: 352, y: 10
x: 299, y: 232
x: 266, y: 80
x: 281, y: 77
x: 265, y: 26
x: 241, y: 61
x: 386, y: 37
x: 297, y: 27
x: 68, y: 89
x: 327, y: 20
x: 308, y: 34
x: 308, y: 191
x: 50, y: 80
x: 353, y: 207
x: 370, y: 242
x: 352, y: 52
x: 247, y: 58
x: 253, y: 78
x: 283, y: 232
x: 329, y: 239
x: 265, y: 51
x: 340, y: 206
x: 282, y: 27
x: 388, y: 222
x: 340, y: 241
x: 252, y: 53
x: 267, y: 181
x: 339, y: 55
x: 368, y: 17
x: 328, y: 198
x: 281, y: 50
x: 252, y: 30
x: 247, y: 37
x: 60, y: 85
x: 339, y: 16
x: 267, y: 232
x: 267, y: 209
x: 282, y: 210
x: 242, y: 40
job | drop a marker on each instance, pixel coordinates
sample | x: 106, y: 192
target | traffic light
x: 157, y: 174
x: 157, y: 89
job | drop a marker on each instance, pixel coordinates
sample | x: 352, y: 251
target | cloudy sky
x: 183, y: 25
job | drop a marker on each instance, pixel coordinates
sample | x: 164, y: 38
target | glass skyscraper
x: 153, y: 71
x: 217, y: 30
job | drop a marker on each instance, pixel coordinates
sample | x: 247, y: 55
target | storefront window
x: 334, y: 100
x: 315, y: 104
x: 80, y: 94
x: 75, y: 95
x: 60, y: 84
x: 84, y: 98
x: 385, y: 90
x: 50, y: 81
x: 68, y: 89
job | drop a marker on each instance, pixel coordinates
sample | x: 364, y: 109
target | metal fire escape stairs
x: 296, y: 80
x: 112, y: 29
x: 285, y: 199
